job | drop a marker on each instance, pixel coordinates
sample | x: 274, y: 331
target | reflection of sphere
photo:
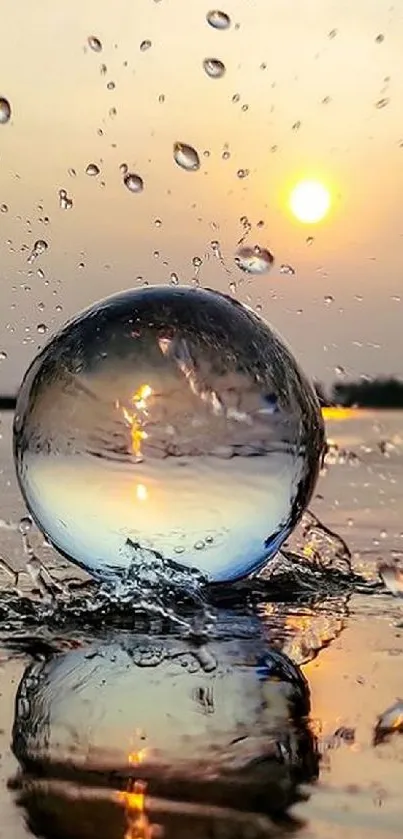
x: 172, y: 418
x: 221, y: 724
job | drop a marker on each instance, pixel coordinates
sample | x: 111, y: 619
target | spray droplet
x: 197, y: 262
x: 382, y: 103
x: 92, y: 170
x: 214, y: 68
x: 3, y: 355
x: 42, y: 328
x: 94, y: 43
x: 218, y: 20
x: 287, y: 269
x: 111, y: 86
x: 39, y: 247
x: 145, y: 45
x: 4, y: 208
x: 174, y: 279
x: 328, y: 299
x: 309, y: 240
x: 332, y: 34
x: 379, y: 39
x: 242, y: 173
x: 5, y: 111
x: 72, y: 172
x: 133, y: 182
x: 254, y: 260
x: 65, y: 203
x: 25, y: 525
x: 186, y: 157
x: 161, y: 98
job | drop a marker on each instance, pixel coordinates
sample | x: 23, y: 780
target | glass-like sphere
x: 171, y: 420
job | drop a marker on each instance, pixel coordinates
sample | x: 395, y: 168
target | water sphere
x: 172, y: 420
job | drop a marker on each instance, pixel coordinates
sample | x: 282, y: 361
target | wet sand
x: 352, y: 681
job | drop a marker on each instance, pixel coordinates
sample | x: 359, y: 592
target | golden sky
x: 298, y: 100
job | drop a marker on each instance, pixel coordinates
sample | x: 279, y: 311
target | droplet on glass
x: 39, y: 247
x: 5, y: 110
x: 72, y: 172
x: 92, y: 170
x: 3, y: 355
x: 174, y: 279
x: 218, y: 19
x: 236, y: 97
x: 297, y: 125
x: 254, y: 260
x: 379, y: 39
x: 309, y: 240
x: 25, y: 525
x: 134, y: 183
x: 285, y: 268
x: 329, y: 299
x: 161, y: 98
x: 42, y: 328
x: 94, y: 43
x: 163, y: 397
x: 214, y: 68
x: 145, y: 45
x: 3, y: 208
x: 332, y: 34
x: 65, y: 203
x: 382, y: 103
x: 186, y: 157
x: 111, y: 86
x: 242, y: 173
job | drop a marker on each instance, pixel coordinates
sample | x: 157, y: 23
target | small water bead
x: 218, y: 20
x: 92, y: 170
x: 285, y: 268
x: 42, y: 328
x: 103, y: 69
x: 236, y: 97
x: 214, y: 68
x: 39, y: 248
x: 3, y: 355
x: 175, y: 383
x: 3, y: 208
x: 161, y: 98
x: 145, y: 45
x: 332, y: 34
x: 25, y: 525
x: 309, y: 240
x: 186, y: 157
x: 379, y: 39
x: 134, y: 183
x: 111, y: 86
x: 382, y: 103
x: 254, y: 260
x: 174, y: 279
x: 242, y: 173
x: 329, y: 299
x: 94, y: 43
x: 5, y: 110
x: 65, y: 203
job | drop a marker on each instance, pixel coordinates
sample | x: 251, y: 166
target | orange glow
x: 141, y: 492
x: 134, y: 801
x: 339, y: 413
x: 135, y: 418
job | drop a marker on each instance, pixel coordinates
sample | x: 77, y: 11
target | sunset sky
x: 310, y: 92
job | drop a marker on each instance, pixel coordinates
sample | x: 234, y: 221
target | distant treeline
x: 385, y: 392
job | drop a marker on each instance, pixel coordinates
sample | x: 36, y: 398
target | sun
x: 310, y: 201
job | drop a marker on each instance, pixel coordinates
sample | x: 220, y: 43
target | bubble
x: 186, y: 157
x: 92, y: 170
x: 133, y: 182
x: 214, y: 68
x: 145, y: 45
x: 65, y: 203
x: 158, y: 387
x: 254, y: 260
x: 218, y: 20
x: 94, y: 43
x: 5, y: 110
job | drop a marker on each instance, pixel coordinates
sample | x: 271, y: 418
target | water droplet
x: 332, y: 34
x: 328, y: 299
x: 3, y: 355
x: 309, y: 240
x: 39, y: 248
x: 287, y: 269
x: 65, y: 203
x: 197, y: 262
x: 165, y: 399
x: 94, y: 43
x: 157, y: 222
x: 71, y: 172
x: 42, y: 328
x: 103, y: 69
x: 4, y: 208
x: 92, y: 170
x: 174, y: 279
x: 226, y: 154
x: 242, y: 173
x: 133, y: 182
x: 254, y: 260
x: 297, y: 125
x: 145, y: 45
x: 111, y: 86
x: 218, y: 20
x: 382, y: 103
x: 214, y: 68
x: 186, y: 157
x: 161, y: 98
x: 232, y: 287
x: 236, y: 97
x: 5, y: 110
x: 379, y: 39
x: 25, y: 525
